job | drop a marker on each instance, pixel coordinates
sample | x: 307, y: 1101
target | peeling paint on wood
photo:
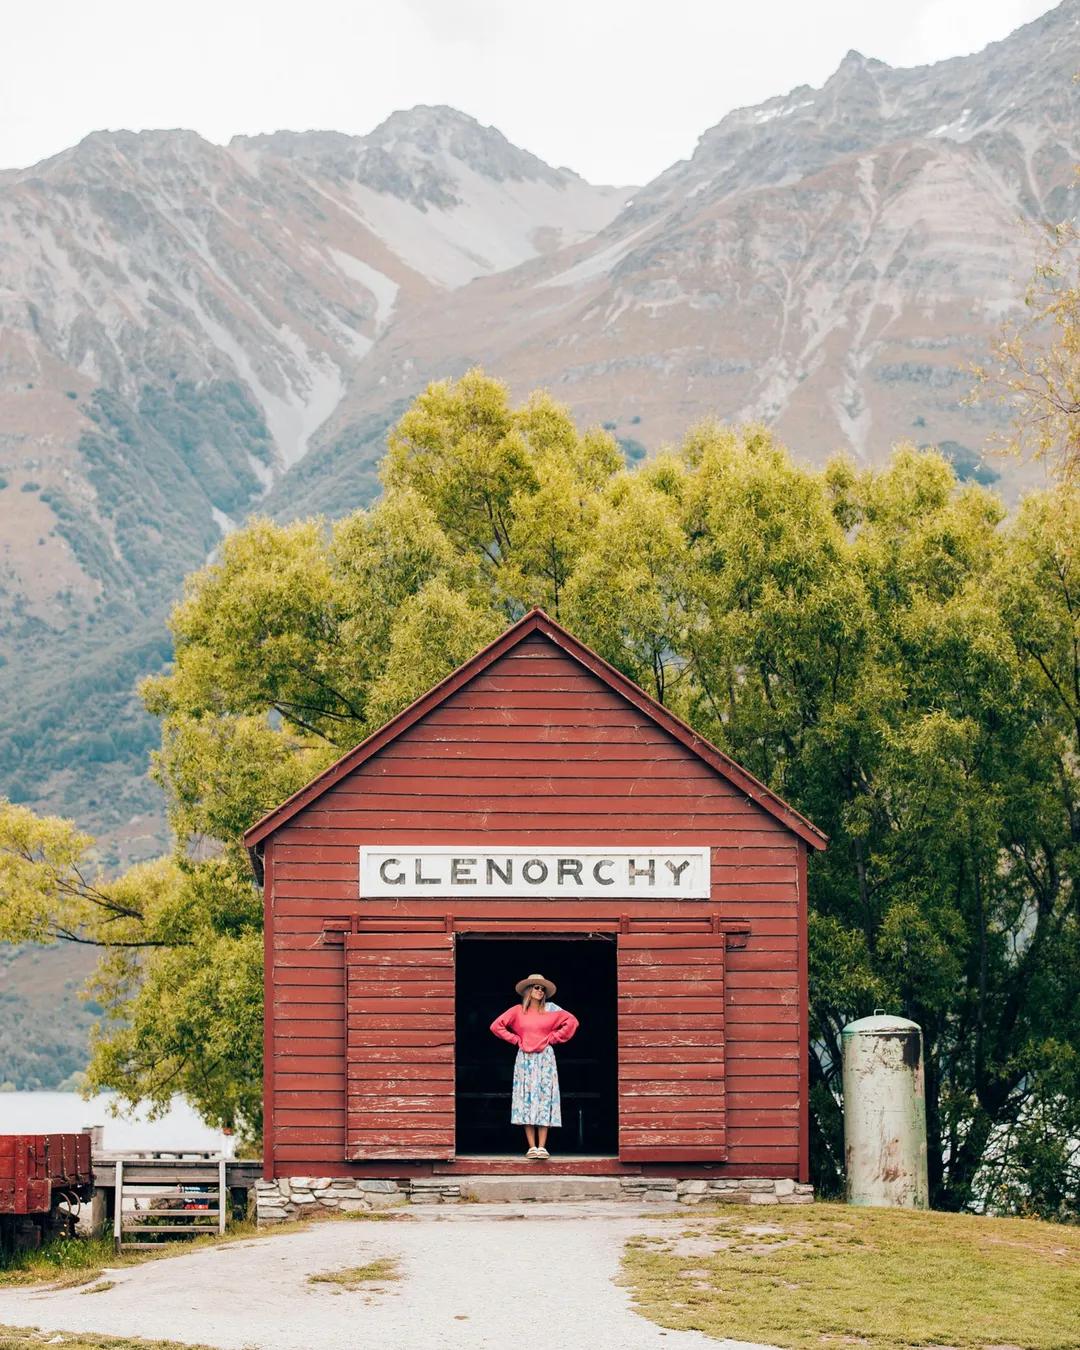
x: 885, y: 1113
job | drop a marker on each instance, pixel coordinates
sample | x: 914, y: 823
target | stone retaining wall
x: 295, y: 1197
x: 751, y: 1191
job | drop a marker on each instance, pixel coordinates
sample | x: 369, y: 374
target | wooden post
x: 118, y: 1206
x: 222, y: 1196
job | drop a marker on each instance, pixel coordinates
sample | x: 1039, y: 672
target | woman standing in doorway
x: 534, y: 1025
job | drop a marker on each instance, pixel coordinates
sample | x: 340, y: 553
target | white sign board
x: 654, y: 873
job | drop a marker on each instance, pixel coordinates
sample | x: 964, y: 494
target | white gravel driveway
x: 473, y: 1276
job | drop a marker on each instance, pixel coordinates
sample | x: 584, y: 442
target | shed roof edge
x: 538, y: 621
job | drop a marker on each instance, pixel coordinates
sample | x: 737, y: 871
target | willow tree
x: 1034, y: 369
x: 881, y: 647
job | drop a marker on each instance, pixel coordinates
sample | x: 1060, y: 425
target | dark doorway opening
x: 585, y: 971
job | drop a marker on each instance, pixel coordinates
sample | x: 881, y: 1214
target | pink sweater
x: 533, y: 1032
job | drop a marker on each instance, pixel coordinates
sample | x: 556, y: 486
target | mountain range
x: 192, y: 332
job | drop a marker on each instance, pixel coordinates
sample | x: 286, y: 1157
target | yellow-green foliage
x: 1035, y: 370
x: 881, y: 646
x: 887, y: 1279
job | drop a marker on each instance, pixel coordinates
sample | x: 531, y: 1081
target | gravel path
x: 473, y: 1276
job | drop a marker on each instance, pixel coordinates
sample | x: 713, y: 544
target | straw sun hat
x: 530, y: 980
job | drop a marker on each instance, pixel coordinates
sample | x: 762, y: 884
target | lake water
x: 67, y: 1113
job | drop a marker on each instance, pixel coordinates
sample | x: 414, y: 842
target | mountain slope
x: 191, y: 332
x: 831, y: 261
x: 177, y: 320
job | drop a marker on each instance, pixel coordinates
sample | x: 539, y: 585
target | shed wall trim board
x: 804, y: 1022
x: 269, y: 1011
x: 535, y: 744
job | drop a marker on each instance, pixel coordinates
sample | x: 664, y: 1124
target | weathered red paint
x: 804, y: 1023
x: 270, y: 1015
x: 33, y: 1166
x: 535, y: 741
x: 672, y: 1102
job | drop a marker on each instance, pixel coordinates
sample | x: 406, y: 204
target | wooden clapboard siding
x: 538, y: 746
x: 399, y: 1107
x: 671, y: 1097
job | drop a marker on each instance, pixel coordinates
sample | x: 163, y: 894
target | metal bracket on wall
x: 737, y: 931
x: 738, y: 934
x: 334, y: 930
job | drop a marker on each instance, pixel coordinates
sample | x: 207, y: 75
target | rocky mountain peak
x: 854, y: 62
x: 1010, y: 87
x: 438, y: 131
x: 105, y: 153
x: 188, y: 327
x: 417, y: 155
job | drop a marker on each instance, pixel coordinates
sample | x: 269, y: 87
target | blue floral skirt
x: 535, y: 1100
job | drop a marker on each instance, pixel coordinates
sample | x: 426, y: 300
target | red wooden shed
x: 535, y: 811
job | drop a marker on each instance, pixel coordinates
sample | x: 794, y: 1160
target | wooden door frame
x: 735, y: 932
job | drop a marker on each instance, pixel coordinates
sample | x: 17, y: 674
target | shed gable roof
x: 536, y: 621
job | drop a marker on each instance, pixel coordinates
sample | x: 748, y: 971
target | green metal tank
x: 885, y: 1113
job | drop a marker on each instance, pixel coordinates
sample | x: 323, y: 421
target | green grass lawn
x: 827, y: 1275
x: 67, y: 1262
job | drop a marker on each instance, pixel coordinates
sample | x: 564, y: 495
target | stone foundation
x: 751, y: 1191
x: 434, y: 1191
x: 297, y: 1197
x: 300, y: 1197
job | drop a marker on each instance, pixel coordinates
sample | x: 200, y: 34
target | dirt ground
x: 472, y: 1277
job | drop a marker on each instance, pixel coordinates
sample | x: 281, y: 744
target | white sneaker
x: 541, y: 1153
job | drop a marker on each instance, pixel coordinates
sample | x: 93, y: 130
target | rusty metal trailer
x: 44, y: 1181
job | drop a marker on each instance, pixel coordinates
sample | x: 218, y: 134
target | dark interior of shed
x: 584, y: 970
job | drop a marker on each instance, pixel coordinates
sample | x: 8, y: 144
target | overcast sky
x: 616, y: 89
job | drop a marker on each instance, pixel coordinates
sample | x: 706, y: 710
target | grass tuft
x: 31, y: 1338
x: 66, y: 1263
x: 360, y: 1277
x: 828, y: 1275
x: 72, y: 1279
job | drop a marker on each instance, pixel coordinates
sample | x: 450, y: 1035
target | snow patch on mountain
x: 381, y: 287
x: 495, y: 225
x: 297, y: 411
x: 600, y: 263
